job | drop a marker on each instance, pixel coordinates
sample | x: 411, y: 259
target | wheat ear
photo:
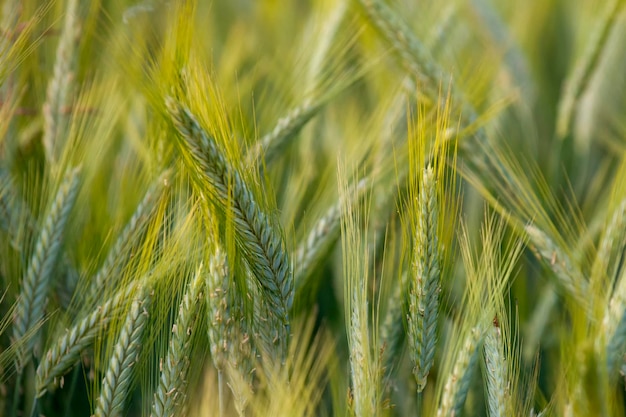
x: 230, y: 345
x: 458, y: 382
x: 218, y: 317
x: 60, y: 85
x: 218, y: 314
x: 257, y: 235
x: 320, y: 240
x: 424, y: 282
x: 170, y: 394
x: 414, y: 56
x: 392, y: 328
x: 580, y: 77
x: 36, y: 283
x: 495, y: 370
x: 118, y: 377
x: 272, y: 144
x: 364, y: 365
x: 67, y: 349
x: 568, y: 275
x: 107, y: 272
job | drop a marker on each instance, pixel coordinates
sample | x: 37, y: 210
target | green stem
x: 220, y: 388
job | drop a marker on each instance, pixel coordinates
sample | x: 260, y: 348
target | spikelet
x: 320, y: 239
x: 392, y: 327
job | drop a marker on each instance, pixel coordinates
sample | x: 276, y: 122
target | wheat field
x: 312, y: 208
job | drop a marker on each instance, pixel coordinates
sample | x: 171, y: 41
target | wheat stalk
x: 424, y: 282
x: 218, y: 317
x: 257, y: 235
x: 36, y: 281
x: 118, y: 377
x: 230, y: 346
x: 59, y: 87
x: 66, y: 350
x: 170, y: 393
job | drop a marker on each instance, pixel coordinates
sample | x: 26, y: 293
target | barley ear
x: 59, y: 87
x: 272, y: 144
x: 66, y: 350
x: 118, y: 378
x: 134, y: 226
x: 170, y: 394
x: 36, y: 282
x: 320, y: 240
x: 257, y: 234
x: 230, y: 345
x: 495, y: 371
x: 424, y: 282
x: 579, y: 79
x: 414, y: 56
x: 568, y: 275
x: 458, y: 382
x: 392, y: 327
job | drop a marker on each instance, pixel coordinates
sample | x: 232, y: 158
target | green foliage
x: 312, y: 208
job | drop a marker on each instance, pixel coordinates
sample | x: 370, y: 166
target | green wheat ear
x: 126, y: 352
x: 256, y: 234
x: 171, y: 393
x: 36, y: 282
x: 66, y: 350
x: 424, y: 282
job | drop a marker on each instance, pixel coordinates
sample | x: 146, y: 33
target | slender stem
x: 72, y: 388
x: 220, y: 388
x: 16, y: 394
x: 419, y: 403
